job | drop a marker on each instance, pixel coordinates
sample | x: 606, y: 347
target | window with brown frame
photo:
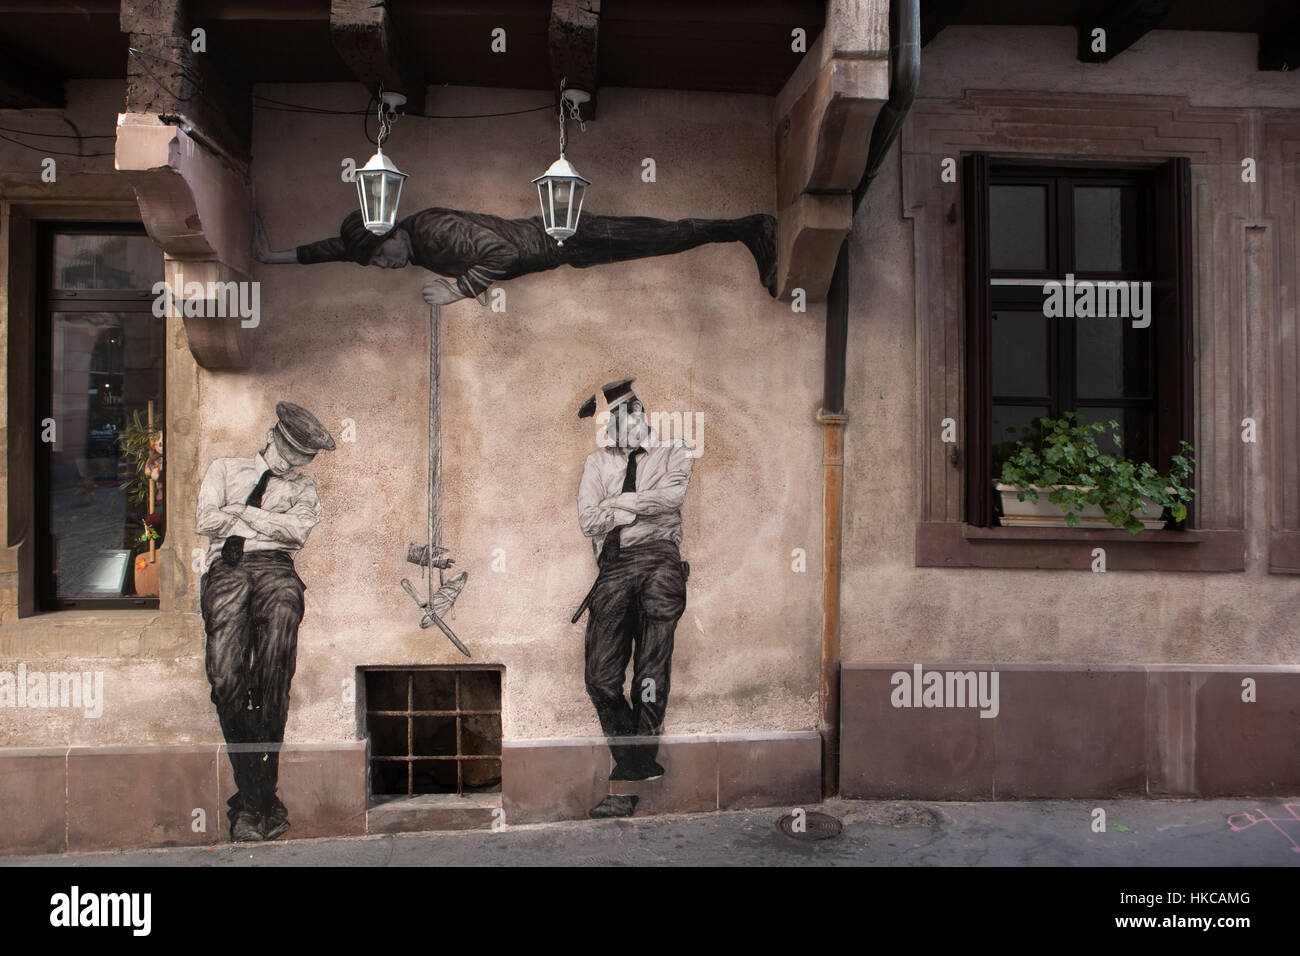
x: 1077, y: 299
x: 100, y: 368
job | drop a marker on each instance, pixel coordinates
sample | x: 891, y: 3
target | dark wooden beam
x: 365, y: 37
x: 166, y: 78
x: 1125, y: 22
x: 1279, y: 48
x: 22, y: 87
x: 571, y: 40
x: 937, y: 14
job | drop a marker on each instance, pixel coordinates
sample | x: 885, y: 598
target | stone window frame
x: 1243, y: 326
x: 174, y: 628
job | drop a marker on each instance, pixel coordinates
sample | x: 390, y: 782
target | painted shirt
x: 652, y: 512
x: 290, y: 507
x: 475, y: 249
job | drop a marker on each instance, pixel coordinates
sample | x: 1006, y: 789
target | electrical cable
x: 259, y: 102
x: 28, y: 132
x: 50, y: 152
x: 429, y: 116
x: 198, y: 87
x: 286, y: 106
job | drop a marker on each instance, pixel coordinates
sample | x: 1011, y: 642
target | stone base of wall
x: 546, y: 780
x: 77, y: 799
x: 82, y: 799
x: 1074, y: 731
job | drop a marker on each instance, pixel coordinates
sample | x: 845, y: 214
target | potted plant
x: 141, y: 443
x: 1086, y: 485
x: 146, y: 563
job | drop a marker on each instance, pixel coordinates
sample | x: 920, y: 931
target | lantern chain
x: 386, y: 116
x: 574, y: 113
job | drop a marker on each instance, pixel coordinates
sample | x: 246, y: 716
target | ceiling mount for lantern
x: 379, y: 181
x: 561, y: 188
x: 576, y: 98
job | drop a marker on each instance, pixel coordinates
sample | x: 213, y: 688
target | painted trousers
x: 638, y: 598
x: 251, y: 611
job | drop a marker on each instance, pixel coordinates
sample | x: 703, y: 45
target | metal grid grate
x: 434, y: 730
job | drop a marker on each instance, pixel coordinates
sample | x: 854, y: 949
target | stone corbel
x: 824, y: 117
x: 198, y: 208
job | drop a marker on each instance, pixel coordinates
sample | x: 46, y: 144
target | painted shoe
x: 614, y: 805
x: 275, y: 824
x: 246, y: 827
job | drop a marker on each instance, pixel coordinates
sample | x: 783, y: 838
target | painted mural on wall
x: 476, y: 249
x: 631, y: 492
x: 629, y: 505
x: 257, y: 513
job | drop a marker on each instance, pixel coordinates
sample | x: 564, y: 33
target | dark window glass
x: 1107, y: 236
x: 97, y: 261
x: 1134, y: 427
x: 1020, y: 353
x: 1011, y: 424
x: 1018, y: 228
x: 1112, y: 359
x: 1047, y: 365
x: 102, y: 372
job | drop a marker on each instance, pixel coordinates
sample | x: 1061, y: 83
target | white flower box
x: 1048, y: 514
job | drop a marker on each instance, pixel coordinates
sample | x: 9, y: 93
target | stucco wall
x: 697, y: 330
x: 893, y: 610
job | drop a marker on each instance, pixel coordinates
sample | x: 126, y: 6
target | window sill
x: 77, y: 617
x: 952, y: 544
x: 77, y: 633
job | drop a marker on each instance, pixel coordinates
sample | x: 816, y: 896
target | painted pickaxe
x: 431, y: 616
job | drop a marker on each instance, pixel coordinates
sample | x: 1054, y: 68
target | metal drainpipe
x: 905, y: 72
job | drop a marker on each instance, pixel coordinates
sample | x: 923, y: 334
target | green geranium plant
x: 1066, y: 457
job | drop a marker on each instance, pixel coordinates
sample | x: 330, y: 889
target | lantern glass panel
x: 575, y: 204
x: 379, y: 193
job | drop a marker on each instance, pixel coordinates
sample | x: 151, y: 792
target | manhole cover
x: 809, y: 825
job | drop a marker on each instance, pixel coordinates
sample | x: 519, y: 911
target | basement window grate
x: 435, y: 730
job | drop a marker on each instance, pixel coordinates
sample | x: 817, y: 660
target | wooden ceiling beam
x: 572, y: 41
x: 937, y: 14
x: 367, y: 40
x: 1279, y: 47
x: 183, y: 143
x: 165, y: 77
x: 1125, y: 22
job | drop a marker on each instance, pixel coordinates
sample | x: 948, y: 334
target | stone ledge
x: 1071, y: 731
x: 63, y: 799
x: 547, y: 780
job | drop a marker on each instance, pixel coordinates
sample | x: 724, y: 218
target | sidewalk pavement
x: 1240, y: 831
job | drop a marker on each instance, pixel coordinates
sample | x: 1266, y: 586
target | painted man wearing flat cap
x: 256, y: 513
x: 629, y: 504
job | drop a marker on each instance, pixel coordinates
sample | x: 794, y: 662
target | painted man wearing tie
x: 257, y: 513
x: 629, y: 504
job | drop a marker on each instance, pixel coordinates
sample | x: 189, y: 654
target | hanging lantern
x: 379, y: 184
x: 379, y: 181
x: 561, y: 188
